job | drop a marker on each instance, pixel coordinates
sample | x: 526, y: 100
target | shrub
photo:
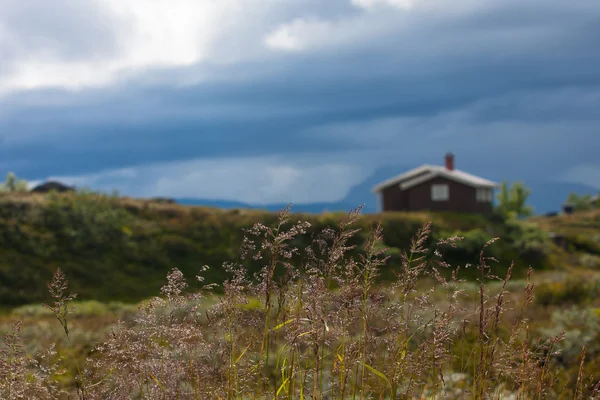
x: 80, y: 219
x: 470, y: 245
x: 512, y: 200
x: 580, y: 202
x: 573, y: 290
x: 589, y: 260
x: 12, y: 184
x: 579, y: 327
x: 532, y: 243
x: 584, y: 243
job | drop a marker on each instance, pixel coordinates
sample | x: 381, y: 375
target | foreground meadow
x: 317, y: 322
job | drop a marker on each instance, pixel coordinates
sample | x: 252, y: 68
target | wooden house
x: 436, y: 188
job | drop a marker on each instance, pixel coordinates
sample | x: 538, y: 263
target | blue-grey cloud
x: 512, y: 87
x: 67, y: 29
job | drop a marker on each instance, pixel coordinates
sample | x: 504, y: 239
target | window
x: 484, y: 195
x: 440, y: 192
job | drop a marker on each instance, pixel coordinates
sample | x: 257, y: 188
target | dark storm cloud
x: 494, y: 86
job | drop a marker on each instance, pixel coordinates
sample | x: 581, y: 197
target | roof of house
x: 52, y: 185
x: 426, y: 172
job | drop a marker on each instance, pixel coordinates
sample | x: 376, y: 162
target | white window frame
x: 440, y: 192
x: 484, y: 195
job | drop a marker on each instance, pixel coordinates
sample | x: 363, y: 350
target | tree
x: 12, y: 184
x: 580, y: 202
x: 512, y: 200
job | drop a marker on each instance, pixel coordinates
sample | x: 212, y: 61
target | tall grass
x: 323, y: 327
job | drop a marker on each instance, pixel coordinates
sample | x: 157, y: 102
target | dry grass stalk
x: 314, y: 323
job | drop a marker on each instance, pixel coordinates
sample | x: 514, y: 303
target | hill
x: 579, y: 234
x: 546, y: 195
x: 115, y: 248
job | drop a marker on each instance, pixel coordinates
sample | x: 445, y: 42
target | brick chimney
x: 449, y: 161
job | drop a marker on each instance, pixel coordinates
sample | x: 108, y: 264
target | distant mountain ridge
x: 546, y: 196
x: 312, y: 208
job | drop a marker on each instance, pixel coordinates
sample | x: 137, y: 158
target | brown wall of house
x: 462, y: 198
x: 394, y: 199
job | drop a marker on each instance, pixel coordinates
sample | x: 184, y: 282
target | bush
x: 84, y: 219
x: 12, y: 184
x: 532, y: 243
x: 584, y: 243
x: 573, y: 290
x: 579, y: 327
x: 589, y: 260
x: 471, y: 243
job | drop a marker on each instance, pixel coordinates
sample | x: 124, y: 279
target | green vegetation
x: 118, y: 249
x: 309, y: 306
x: 313, y: 321
x: 13, y: 185
x: 512, y: 200
x: 580, y: 202
x: 581, y: 233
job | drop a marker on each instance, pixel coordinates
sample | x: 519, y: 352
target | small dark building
x: 567, y: 209
x: 436, y: 188
x: 52, y: 185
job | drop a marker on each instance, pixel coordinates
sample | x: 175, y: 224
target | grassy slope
x: 121, y: 249
x: 581, y: 230
x: 580, y: 233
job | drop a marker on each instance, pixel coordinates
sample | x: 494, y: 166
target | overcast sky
x: 295, y: 100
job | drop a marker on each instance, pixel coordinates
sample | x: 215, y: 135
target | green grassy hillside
x: 118, y: 249
x: 581, y: 231
x: 121, y: 249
